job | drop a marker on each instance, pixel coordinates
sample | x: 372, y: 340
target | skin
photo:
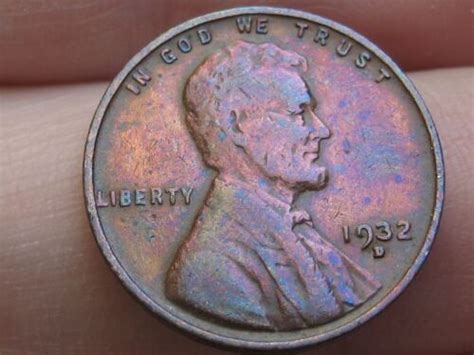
x: 58, y: 41
x: 57, y: 295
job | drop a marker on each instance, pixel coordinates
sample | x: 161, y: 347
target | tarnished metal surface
x: 263, y: 178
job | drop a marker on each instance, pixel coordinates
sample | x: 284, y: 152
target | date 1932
x: 383, y: 231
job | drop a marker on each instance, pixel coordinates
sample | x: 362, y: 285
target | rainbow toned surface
x: 382, y: 158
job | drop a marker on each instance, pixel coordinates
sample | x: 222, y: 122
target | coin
x: 263, y: 178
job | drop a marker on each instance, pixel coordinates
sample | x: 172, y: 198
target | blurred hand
x: 58, y: 296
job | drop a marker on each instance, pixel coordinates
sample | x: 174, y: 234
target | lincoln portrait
x: 252, y: 259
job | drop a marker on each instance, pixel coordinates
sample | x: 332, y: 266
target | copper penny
x: 263, y: 178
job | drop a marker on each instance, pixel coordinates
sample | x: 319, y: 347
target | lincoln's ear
x: 236, y: 133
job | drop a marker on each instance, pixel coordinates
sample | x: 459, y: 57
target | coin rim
x: 134, y: 288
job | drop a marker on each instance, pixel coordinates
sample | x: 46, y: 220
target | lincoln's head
x: 250, y: 111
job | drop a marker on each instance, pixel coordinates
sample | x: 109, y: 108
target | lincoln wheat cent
x: 263, y: 178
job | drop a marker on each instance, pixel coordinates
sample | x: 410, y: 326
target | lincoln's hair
x: 232, y: 85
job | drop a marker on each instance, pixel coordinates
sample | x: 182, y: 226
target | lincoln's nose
x: 321, y: 131
x: 324, y: 132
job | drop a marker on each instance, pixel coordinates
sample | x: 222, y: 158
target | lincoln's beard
x: 298, y: 178
x: 322, y: 179
x: 318, y: 181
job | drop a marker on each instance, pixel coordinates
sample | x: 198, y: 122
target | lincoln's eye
x: 298, y: 114
x: 300, y: 118
x: 294, y: 112
x: 297, y: 111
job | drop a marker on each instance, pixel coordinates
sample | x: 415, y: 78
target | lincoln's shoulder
x: 217, y: 268
x: 214, y: 283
